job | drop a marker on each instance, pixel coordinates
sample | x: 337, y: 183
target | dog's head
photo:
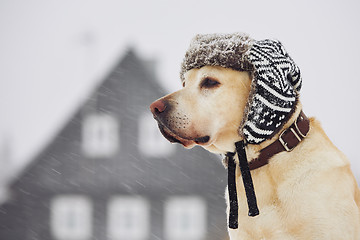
x: 234, y: 88
x: 207, y: 110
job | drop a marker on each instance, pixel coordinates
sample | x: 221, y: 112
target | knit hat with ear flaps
x: 276, y: 78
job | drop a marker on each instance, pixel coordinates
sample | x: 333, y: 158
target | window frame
x: 151, y: 142
x: 100, y: 135
x: 194, y: 208
x: 138, y: 208
x: 61, y: 206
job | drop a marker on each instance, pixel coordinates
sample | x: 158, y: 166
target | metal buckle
x: 298, y: 130
x: 285, y: 144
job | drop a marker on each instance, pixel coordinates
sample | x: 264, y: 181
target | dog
x: 306, y: 192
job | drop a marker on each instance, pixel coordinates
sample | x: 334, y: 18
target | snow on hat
x: 276, y: 78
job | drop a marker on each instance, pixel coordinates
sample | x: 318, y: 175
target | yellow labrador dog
x: 305, y: 191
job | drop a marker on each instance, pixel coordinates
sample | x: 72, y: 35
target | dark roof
x: 125, y: 93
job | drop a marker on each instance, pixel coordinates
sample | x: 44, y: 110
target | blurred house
x: 109, y: 174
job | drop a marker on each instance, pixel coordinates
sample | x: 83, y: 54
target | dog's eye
x: 209, y: 83
x: 183, y: 83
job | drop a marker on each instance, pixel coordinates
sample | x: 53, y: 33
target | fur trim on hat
x: 224, y: 50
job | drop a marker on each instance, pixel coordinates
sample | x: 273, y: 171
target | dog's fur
x: 308, y: 193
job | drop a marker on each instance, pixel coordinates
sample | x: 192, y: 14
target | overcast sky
x: 52, y: 53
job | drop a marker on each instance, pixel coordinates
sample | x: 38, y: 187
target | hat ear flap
x: 277, y: 81
x: 293, y: 76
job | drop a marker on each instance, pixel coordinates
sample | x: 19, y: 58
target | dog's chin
x: 186, y: 142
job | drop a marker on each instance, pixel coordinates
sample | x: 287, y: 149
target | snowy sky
x: 52, y: 53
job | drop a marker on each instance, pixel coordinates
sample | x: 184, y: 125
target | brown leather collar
x: 287, y: 141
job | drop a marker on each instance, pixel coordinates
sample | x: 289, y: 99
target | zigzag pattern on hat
x: 277, y: 81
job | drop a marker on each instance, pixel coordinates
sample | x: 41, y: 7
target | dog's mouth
x: 186, y: 142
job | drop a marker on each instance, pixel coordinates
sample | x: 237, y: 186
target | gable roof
x: 125, y: 93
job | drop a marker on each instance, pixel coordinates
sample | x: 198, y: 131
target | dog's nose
x: 157, y: 107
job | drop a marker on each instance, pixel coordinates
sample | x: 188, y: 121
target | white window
x: 151, y: 142
x: 128, y: 218
x: 185, y: 218
x: 100, y: 135
x: 71, y: 217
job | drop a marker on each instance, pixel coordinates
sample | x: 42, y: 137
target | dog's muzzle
x: 160, y: 110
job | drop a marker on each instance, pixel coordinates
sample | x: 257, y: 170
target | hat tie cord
x: 247, y: 181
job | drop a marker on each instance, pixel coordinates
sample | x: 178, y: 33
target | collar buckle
x: 301, y: 118
x: 284, y: 143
